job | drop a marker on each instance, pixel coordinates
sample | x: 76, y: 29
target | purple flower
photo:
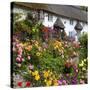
x: 59, y: 82
x: 74, y: 81
x: 62, y: 82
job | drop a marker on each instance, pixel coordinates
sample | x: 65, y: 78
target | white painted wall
x: 49, y: 23
x: 68, y: 26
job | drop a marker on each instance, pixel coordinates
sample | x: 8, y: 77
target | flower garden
x: 41, y: 61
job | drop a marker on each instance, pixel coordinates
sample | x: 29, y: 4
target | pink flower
x: 82, y: 81
x: 14, y: 49
x: 59, y: 82
x: 22, y: 59
x: 17, y: 45
x: 64, y: 82
x: 31, y: 66
x: 20, y: 51
x: 29, y: 57
x: 77, y: 70
x: 18, y: 59
x: 19, y: 56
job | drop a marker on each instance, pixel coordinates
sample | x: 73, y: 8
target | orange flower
x: 28, y: 47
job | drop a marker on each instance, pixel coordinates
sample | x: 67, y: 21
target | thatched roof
x: 78, y: 26
x: 59, y: 24
x: 68, y: 11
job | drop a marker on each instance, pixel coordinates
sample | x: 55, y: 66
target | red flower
x: 27, y: 84
x: 19, y: 84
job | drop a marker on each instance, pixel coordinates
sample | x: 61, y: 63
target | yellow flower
x: 56, y: 47
x: 44, y: 49
x: 30, y: 71
x: 37, y: 77
x: 28, y: 47
x: 38, y: 53
x: 81, y: 64
x: 21, y: 44
x: 50, y: 73
x: 46, y: 74
x: 85, y: 60
x: 55, y: 83
x: 49, y: 83
x: 45, y: 80
x: 36, y: 45
x: 34, y: 73
x: 51, y: 78
x: 84, y: 69
x: 62, y: 48
x: 59, y: 50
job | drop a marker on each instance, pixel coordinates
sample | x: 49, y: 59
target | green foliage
x: 28, y: 28
x: 84, y: 45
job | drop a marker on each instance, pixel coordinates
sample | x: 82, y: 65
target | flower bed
x: 47, y: 63
x: 42, y: 61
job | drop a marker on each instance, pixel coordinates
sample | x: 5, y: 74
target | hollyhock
x: 18, y: 59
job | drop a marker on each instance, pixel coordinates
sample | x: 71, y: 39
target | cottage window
x: 50, y: 17
x: 70, y: 34
x: 71, y: 22
x: 42, y: 15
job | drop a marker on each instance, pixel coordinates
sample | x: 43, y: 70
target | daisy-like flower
x: 38, y: 53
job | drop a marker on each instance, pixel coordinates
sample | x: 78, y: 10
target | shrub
x: 84, y: 45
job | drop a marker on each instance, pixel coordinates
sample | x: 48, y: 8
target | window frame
x: 50, y: 17
x: 71, y: 22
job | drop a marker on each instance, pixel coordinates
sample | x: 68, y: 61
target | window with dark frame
x: 50, y: 17
x: 42, y: 15
x: 71, y: 21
